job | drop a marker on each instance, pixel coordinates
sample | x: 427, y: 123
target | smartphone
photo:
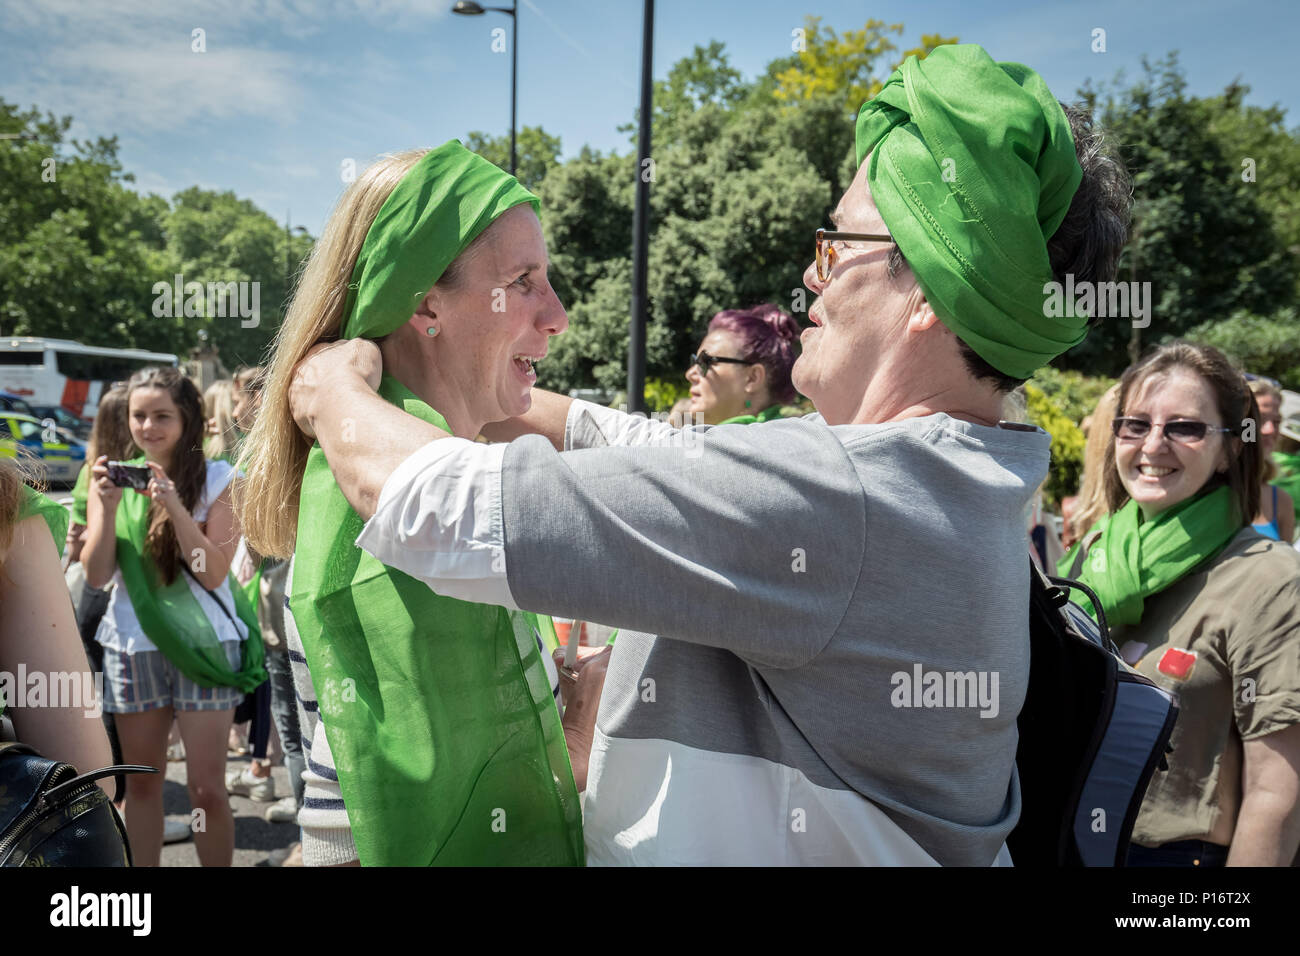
x: 129, y: 476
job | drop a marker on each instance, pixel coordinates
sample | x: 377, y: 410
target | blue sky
x: 289, y: 89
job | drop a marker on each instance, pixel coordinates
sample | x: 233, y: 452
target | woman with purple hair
x: 741, y: 374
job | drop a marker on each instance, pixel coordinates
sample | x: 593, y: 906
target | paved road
x: 255, y: 838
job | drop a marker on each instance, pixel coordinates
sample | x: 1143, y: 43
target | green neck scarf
x: 1134, y: 559
x: 172, y: 618
x: 80, y: 495
x: 766, y: 415
x: 439, y: 713
x: 973, y: 168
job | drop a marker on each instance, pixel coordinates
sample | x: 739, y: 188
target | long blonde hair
x: 274, y: 454
x: 219, y: 403
x: 1092, y: 493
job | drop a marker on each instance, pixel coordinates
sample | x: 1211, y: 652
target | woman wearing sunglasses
x: 741, y: 373
x: 1206, y: 607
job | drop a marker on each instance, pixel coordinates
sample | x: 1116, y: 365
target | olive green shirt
x: 1225, y: 640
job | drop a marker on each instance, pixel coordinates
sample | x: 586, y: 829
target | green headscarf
x: 973, y: 169
x: 439, y: 713
x: 1134, y: 559
x: 442, y: 203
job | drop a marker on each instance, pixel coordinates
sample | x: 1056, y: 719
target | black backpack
x: 1092, y: 732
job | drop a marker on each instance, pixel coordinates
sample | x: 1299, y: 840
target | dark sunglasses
x: 1135, y: 429
x: 706, y: 362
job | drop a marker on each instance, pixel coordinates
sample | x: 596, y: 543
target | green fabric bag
x: 172, y: 618
x: 1134, y: 559
x: 439, y: 713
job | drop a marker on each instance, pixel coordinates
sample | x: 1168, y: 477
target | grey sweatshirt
x: 842, y: 631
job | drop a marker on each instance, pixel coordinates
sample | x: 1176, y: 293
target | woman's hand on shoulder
x: 324, y: 367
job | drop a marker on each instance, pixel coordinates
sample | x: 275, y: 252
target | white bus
x: 68, y: 374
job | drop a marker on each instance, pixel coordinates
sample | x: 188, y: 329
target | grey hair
x: 1090, y: 238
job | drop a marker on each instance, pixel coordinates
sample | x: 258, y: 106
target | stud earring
x: 431, y: 331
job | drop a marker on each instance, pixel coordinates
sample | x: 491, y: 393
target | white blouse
x: 120, y: 629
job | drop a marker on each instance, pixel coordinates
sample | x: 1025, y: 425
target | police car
x: 58, y: 456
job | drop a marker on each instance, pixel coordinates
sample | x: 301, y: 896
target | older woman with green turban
x: 438, y: 740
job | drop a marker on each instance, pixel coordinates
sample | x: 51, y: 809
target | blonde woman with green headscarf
x: 435, y: 717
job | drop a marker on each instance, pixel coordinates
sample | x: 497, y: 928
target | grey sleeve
x: 749, y: 539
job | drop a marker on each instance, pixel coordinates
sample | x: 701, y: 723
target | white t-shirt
x: 120, y: 629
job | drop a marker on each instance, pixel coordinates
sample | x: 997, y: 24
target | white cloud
x: 158, y: 85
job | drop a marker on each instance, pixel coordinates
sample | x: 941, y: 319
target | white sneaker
x: 284, y: 810
x: 176, y: 831
x: 242, y: 783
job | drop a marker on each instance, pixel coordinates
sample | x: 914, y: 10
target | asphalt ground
x: 255, y: 838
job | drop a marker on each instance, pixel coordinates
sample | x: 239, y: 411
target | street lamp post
x: 641, y: 220
x: 470, y: 9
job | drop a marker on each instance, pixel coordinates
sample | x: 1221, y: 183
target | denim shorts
x: 147, y: 680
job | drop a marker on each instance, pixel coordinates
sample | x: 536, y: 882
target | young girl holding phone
x: 177, y: 638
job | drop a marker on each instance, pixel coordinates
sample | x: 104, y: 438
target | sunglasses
x: 706, y: 362
x: 1136, y: 429
x: 826, y: 254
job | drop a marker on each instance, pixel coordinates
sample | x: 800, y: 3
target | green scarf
x: 80, y: 494
x: 1134, y: 559
x: 766, y: 415
x: 973, y: 169
x: 170, y: 616
x: 439, y: 713
x: 1288, y: 473
x: 55, y: 515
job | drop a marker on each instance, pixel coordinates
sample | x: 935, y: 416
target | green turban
x: 442, y: 203
x: 973, y: 168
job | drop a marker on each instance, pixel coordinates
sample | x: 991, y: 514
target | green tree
x: 843, y: 66
x: 76, y: 244
x: 537, y: 153
x: 1264, y: 345
x: 1202, y: 237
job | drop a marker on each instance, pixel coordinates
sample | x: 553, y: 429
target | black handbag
x: 51, y: 816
